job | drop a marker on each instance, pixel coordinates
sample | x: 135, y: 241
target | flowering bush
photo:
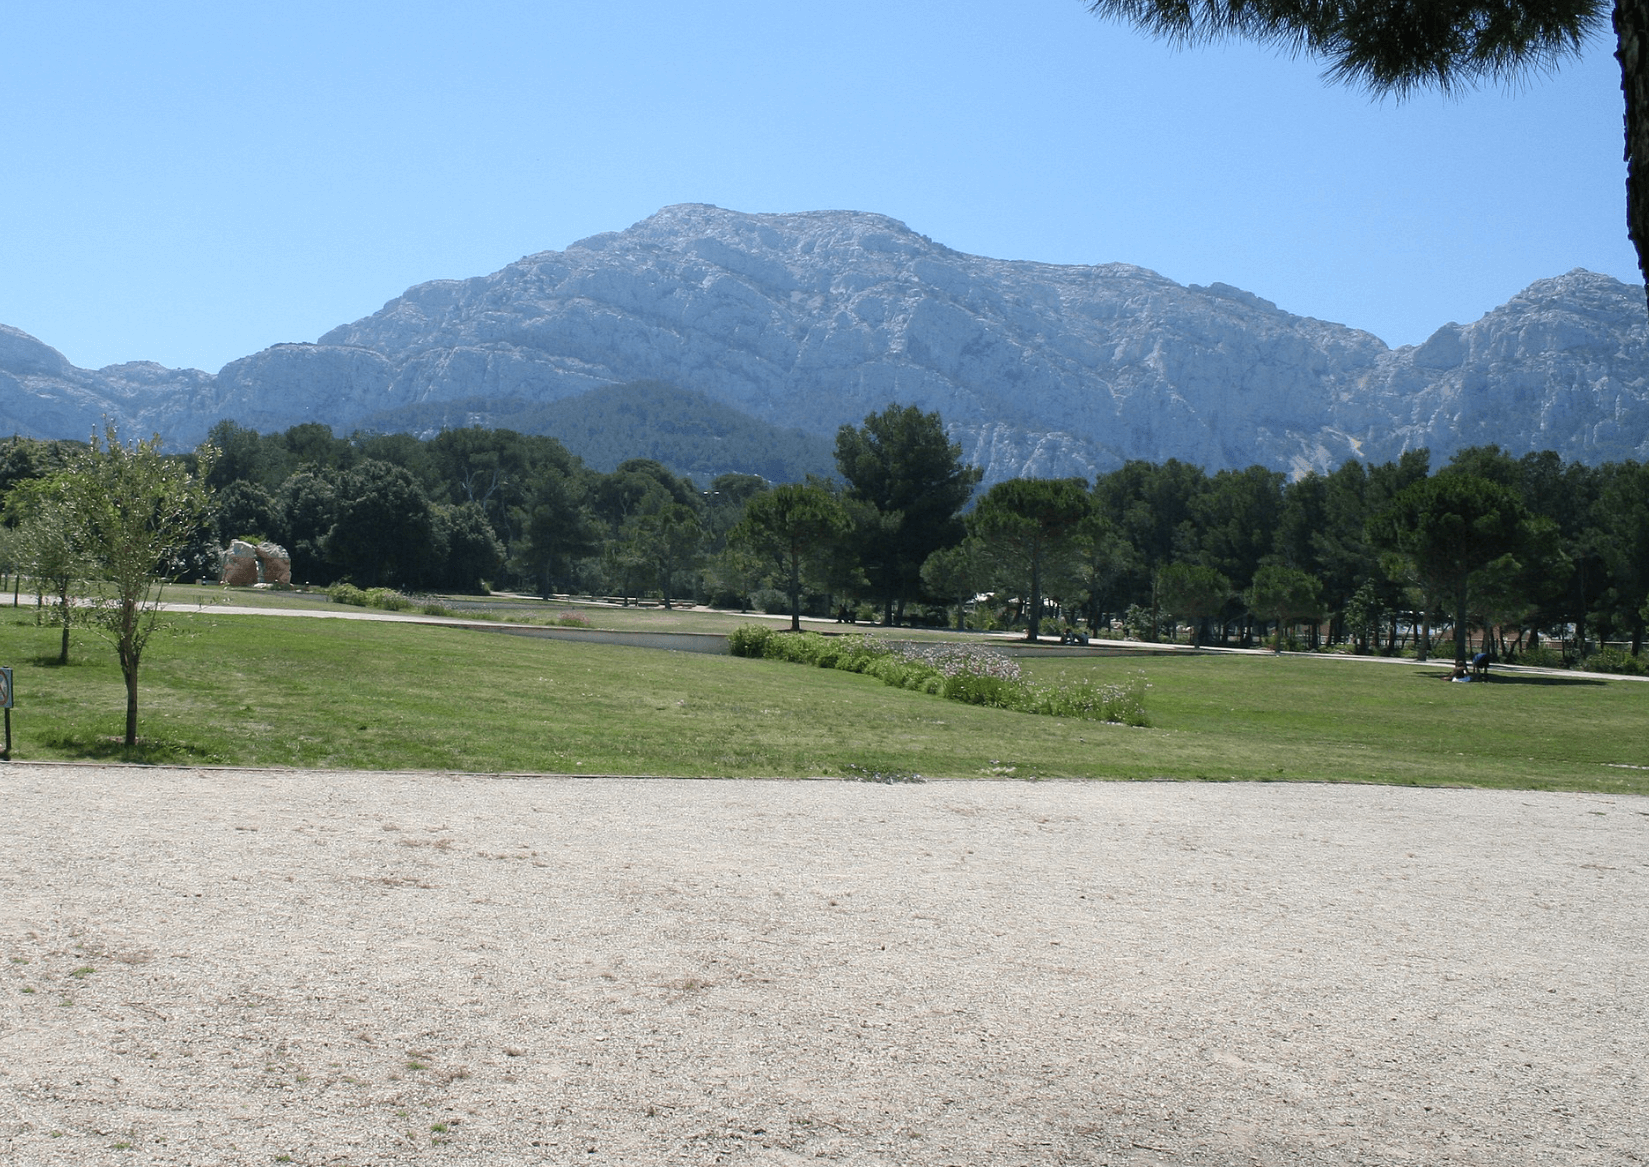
x: 971, y: 673
x: 386, y: 598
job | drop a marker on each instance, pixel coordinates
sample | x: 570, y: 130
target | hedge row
x: 974, y: 675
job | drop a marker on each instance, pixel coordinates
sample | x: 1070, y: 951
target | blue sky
x: 189, y: 183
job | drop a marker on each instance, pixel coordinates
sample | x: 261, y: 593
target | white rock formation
x: 815, y: 319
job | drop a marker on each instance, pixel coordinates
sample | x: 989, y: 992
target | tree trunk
x: 1033, y: 610
x: 795, y: 591
x: 128, y: 666
x: 63, y: 597
x: 1631, y: 20
x: 1462, y: 650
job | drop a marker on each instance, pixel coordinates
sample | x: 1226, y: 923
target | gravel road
x: 204, y: 967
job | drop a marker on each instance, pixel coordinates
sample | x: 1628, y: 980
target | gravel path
x: 256, y: 967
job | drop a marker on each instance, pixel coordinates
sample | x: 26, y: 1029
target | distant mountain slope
x: 688, y: 432
x: 812, y: 320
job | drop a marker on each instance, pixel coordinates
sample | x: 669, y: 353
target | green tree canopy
x: 1450, y: 526
x: 384, y: 532
x: 46, y: 545
x: 1027, y: 525
x: 901, y: 464
x: 1283, y: 594
x: 133, y: 512
x: 1192, y: 592
x: 959, y: 574
x: 790, y: 527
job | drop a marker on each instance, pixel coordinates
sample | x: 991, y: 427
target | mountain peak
x: 814, y: 319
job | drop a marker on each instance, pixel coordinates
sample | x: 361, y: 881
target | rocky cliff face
x: 813, y: 320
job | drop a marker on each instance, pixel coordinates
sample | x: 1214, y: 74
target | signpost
x: 5, y: 701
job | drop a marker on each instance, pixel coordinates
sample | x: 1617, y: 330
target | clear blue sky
x: 189, y: 183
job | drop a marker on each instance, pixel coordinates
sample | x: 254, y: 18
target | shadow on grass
x: 1521, y: 679
x: 1515, y: 679
x: 147, y: 750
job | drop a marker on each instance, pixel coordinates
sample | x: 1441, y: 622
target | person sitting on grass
x: 1460, y: 673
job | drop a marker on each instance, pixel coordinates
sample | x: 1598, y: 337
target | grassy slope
x: 257, y: 691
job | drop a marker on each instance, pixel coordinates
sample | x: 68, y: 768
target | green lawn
x: 259, y: 691
x: 528, y: 610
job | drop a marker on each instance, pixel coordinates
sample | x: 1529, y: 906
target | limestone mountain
x: 808, y: 321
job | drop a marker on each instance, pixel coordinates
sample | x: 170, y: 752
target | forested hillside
x: 688, y: 432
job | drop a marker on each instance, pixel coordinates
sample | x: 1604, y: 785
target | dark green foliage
x: 22, y: 459
x: 1192, y: 592
x: 384, y: 530
x: 1284, y: 594
x: 1387, y: 47
x: 465, y: 549
x: 1622, y: 514
x: 1236, y: 517
x: 911, y: 485
x: 958, y: 574
x: 521, y: 512
x: 1450, y: 527
x: 1028, y: 526
x: 308, y: 506
x: 245, y: 509
x: 793, y: 528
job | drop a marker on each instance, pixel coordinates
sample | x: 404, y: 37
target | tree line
x: 1382, y: 558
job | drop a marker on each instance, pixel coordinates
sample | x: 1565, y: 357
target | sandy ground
x: 339, y: 968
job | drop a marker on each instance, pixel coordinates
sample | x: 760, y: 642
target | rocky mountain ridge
x: 815, y: 319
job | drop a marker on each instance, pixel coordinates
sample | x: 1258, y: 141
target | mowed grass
x: 529, y: 610
x: 248, y: 690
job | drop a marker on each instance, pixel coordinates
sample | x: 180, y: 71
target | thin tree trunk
x: 795, y: 590
x: 1033, y: 613
x: 129, y: 668
x: 1462, y: 649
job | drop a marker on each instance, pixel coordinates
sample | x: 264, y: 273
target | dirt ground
x: 263, y: 967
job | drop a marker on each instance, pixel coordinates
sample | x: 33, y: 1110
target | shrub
x: 345, y: 593
x: 1540, y: 657
x: 1615, y: 660
x: 388, y: 599
x: 749, y: 640
x: 972, y: 674
x: 801, y: 648
x: 973, y: 689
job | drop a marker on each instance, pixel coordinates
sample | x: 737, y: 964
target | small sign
x: 5, y: 688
